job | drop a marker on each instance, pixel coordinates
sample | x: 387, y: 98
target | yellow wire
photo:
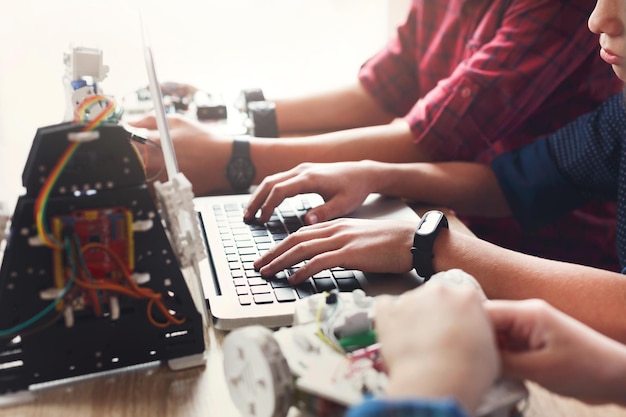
x: 319, y: 332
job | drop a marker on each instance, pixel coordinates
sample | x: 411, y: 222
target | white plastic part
x: 114, y: 306
x: 68, y: 315
x: 83, y: 64
x: 83, y: 61
x: 257, y: 373
x: 175, y: 198
x: 5, y: 216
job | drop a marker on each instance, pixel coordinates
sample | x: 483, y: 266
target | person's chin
x: 620, y: 71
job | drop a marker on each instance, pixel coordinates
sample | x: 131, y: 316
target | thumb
x: 145, y: 122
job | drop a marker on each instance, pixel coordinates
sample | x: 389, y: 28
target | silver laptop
x: 235, y: 293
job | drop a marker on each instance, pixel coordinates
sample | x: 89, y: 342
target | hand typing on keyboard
x: 344, y: 186
x: 366, y: 245
x: 243, y: 243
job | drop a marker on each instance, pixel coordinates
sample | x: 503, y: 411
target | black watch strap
x: 240, y: 170
x: 241, y: 148
x: 425, y: 234
x: 263, y: 117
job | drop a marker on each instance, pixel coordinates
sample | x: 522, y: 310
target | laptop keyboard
x: 244, y: 243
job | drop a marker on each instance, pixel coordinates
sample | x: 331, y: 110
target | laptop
x: 236, y: 294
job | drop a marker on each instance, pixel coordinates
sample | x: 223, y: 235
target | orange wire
x: 138, y: 291
x: 135, y: 291
x: 94, y: 297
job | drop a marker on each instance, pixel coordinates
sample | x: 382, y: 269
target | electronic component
x: 108, y: 233
x: 326, y: 376
x: 89, y: 281
x: 208, y: 107
x: 247, y: 96
x: 259, y: 114
x: 84, y: 69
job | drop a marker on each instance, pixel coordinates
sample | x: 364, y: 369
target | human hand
x: 436, y: 342
x: 542, y: 344
x: 202, y: 156
x: 367, y: 245
x: 343, y: 185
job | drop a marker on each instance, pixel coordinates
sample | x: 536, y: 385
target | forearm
x: 388, y: 143
x: 591, y: 295
x: 439, y: 378
x: 345, y: 108
x: 465, y: 187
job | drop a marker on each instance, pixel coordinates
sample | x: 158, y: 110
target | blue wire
x: 42, y: 313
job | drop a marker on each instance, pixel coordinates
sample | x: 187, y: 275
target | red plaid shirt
x: 476, y: 78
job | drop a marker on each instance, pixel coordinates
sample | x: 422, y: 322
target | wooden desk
x: 202, y: 391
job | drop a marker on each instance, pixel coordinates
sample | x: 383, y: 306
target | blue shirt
x: 583, y: 161
x: 406, y: 408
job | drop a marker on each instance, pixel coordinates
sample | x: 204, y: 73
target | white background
x: 284, y: 46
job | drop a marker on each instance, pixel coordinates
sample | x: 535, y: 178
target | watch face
x: 240, y: 173
x: 430, y: 222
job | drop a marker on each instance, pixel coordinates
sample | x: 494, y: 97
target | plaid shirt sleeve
x: 406, y: 408
x: 496, y: 86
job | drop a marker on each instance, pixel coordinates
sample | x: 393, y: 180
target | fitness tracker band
x: 423, y: 241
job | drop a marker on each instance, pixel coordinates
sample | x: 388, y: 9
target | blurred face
x: 609, y: 21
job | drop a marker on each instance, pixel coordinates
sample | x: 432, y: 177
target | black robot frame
x: 106, y: 172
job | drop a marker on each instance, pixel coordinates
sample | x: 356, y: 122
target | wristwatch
x: 262, y: 114
x: 240, y: 170
x: 423, y: 241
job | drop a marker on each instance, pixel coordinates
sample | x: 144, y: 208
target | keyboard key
x: 293, y: 226
x: 347, y: 284
x: 256, y: 281
x: 275, y: 227
x: 284, y: 295
x: 242, y: 290
x: 249, y: 258
x: 261, y: 289
x: 245, y: 300
x: 305, y: 289
x: 264, y: 298
x: 236, y: 273
x: 343, y: 274
x: 247, y: 243
x: 240, y: 282
x: 323, y: 274
x: 279, y: 283
x: 324, y: 284
x: 281, y: 275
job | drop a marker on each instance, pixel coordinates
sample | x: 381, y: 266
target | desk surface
x: 202, y: 391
